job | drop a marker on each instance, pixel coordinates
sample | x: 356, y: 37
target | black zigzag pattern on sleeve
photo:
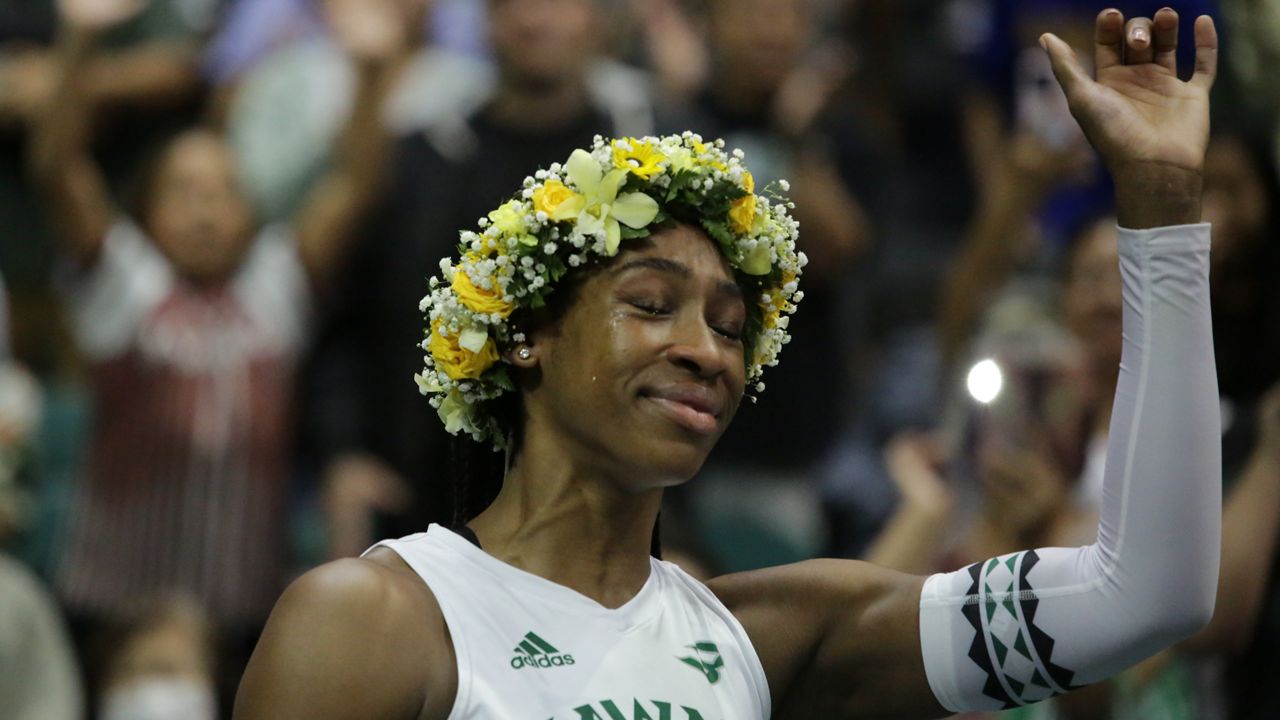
x: 1041, y: 640
x: 972, y: 611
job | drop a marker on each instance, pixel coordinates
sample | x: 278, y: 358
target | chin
x: 668, y: 462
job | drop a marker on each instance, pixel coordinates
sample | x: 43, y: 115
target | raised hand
x: 915, y: 462
x: 370, y: 30
x: 1150, y: 127
x: 1024, y: 490
x: 98, y: 14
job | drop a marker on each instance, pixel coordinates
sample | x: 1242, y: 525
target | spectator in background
x: 673, y: 47
x: 892, y: 131
x: 1242, y: 199
x: 382, y: 453
x: 142, y: 85
x: 192, y: 320
x: 38, y: 678
x: 158, y: 663
x: 1254, y: 96
x: 253, y: 30
x: 285, y: 111
x: 38, y: 675
x: 1004, y: 238
x: 755, y: 505
x: 913, y: 539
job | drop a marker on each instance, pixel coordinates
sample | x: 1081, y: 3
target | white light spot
x: 985, y: 381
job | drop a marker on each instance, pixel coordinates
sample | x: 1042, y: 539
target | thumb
x: 1066, y: 66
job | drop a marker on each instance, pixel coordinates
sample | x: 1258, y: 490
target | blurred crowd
x: 217, y: 218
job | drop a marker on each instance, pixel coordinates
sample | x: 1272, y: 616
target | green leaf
x: 719, y: 231
x: 501, y: 378
x: 629, y: 233
x: 556, y: 267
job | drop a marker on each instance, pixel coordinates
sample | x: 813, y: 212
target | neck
x: 574, y: 527
x: 518, y: 105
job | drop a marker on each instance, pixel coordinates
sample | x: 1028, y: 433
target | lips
x: 694, y: 407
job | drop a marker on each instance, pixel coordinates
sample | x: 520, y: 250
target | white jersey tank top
x: 529, y: 649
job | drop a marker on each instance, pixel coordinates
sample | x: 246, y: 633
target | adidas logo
x: 534, y: 652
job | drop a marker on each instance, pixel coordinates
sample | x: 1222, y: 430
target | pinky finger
x: 1206, y: 52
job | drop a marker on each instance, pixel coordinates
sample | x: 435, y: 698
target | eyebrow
x: 679, y: 269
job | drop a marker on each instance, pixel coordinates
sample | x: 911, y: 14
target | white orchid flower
x: 598, y: 205
x: 456, y: 414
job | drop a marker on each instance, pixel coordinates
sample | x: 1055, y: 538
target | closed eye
x: 649, y: 308
x: 729, y: 333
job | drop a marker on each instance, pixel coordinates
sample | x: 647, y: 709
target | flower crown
x: 567, y: 216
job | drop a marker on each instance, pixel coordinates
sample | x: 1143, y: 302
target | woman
x: 547, y: 604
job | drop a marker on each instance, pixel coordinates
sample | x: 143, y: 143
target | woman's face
x: 198, y: 215
x: 645, y: 370
x: 761, y: 41
x: 541, y: 44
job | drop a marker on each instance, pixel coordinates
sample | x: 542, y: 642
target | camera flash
x: 985, y: 380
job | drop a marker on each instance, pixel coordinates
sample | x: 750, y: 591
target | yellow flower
x: 478, y: 299
x: 777, y: 303
x: 742, y: 213
x: 508, y: 218
x: 702, y: 160
x: 472, y: 256
x: 456, y: 360
x: 552, y: 197
x: 642, y: 158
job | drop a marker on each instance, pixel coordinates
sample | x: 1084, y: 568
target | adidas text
x: 541, y: 661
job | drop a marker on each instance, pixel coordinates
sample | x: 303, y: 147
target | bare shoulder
x: 828, y: 631
x: 352, y: 638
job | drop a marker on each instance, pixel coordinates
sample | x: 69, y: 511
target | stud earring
x: 524, y: 353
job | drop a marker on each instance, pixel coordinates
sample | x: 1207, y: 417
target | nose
x: 697, y: 348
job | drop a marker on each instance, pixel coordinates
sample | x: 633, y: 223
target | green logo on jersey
x: 651, y: 710
x: 706, y: 658
x: 534, y: 652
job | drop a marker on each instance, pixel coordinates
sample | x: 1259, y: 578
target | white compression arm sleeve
x: 1020, y: 628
